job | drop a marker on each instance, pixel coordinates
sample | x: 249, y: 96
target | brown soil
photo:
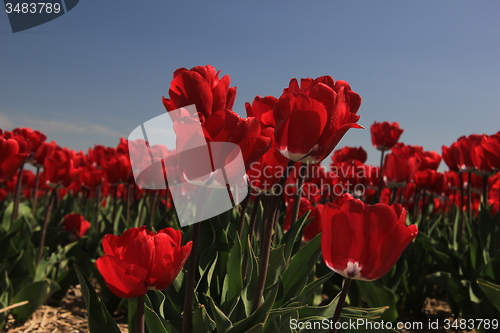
x: 68, y: 316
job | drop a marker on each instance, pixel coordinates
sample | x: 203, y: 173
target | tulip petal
x: 123, y: 279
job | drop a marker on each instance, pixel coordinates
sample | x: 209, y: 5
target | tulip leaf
x: 364, y: 313
x: 259, y: 316
x: 310, y: 288
x: 36, y: 293
x: 233, y: 283
x: 153, y: 321
x: 202, y: 323
x: 491, y: 290
x: 326, y: 311
x: 295, y: 276
x: 377, y: 296
x: 100, y: 321
x: 292, y: 235
x: 223, y: 324
x: 276, y: 265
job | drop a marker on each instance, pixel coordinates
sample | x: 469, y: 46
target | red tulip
x: 228, y: 126
x: 364, y: 242
x: 311, y: 120
x: 491, y: 145
x: 10, y: 158
x: 349, y: 153
x: 117, y: 168
x: 463, y: 153
x: 262, y: 109
x: 429, y: 160
x: 200, y: 86
x: 449, y: 157
x: 396, y: 171
x: 76, y: 222
x: 385, y: 135
x: 90, y: 176
x: 35, y: 138
x: 140, y: 259
x: 59, y: 168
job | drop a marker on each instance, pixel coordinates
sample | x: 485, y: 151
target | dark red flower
x: 11, y: 159
x: 59, y: 168
x: 140, y: 259
x: 385, y: 135
x: 117, y: 168
x: 90, y: 176
x: 311, y: 120
x: 429, y: 160
x: 200, y: 86
x: 262, y: 109
x: 364, y: 242
x: 228, y: 126
x: 76, y: 222
x: 396, y: 171
x: 449, y: 157
x: 349, y: 153
x: 35, y: 138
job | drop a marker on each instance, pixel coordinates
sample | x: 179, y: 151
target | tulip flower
x: 364, y: 242
x: 311, y: 120
x: 200, y: 86
x: 385, y: 135
x: 262, y: 109
x: 11, y: 159
x: 349, y: 153
x: 140, y: 259
x: 76, y: 223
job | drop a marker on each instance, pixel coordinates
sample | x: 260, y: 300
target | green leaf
x: 276, y: 265
x: 260, y: 316
x: 153, y: 321
x: 221, y: 321
x: 295, y: 276
x: 100, y: 321
x: 364, y: 313
x: 377, y: 296
x: 233, y: 282
x: 202, y: 323
x: 311, y: 288
x: 36, y: 293
x: 292, y: 235
x: 491, y: 290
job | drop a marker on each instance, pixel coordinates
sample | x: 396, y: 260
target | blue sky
x: 99, y: 71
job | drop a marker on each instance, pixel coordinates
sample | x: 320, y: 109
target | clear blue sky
x: 100, y: 70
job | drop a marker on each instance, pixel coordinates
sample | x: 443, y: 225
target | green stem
x: 251, y: 227
x: 243, y: 207
x: 17, y: 195
x: 485, y: 190
x: 340, y: 304
x: 45, y: 223
x: 191, y: 271
x: 266, y: 241
x: 381, y: 178
x: 296, y: 201
x: 35, y: 197
x: 469, y: 199
x: 139, y: 319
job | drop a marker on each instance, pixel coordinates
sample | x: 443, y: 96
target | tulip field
x: 347, y: 247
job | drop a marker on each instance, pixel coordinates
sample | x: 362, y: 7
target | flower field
x: 308, y: 248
